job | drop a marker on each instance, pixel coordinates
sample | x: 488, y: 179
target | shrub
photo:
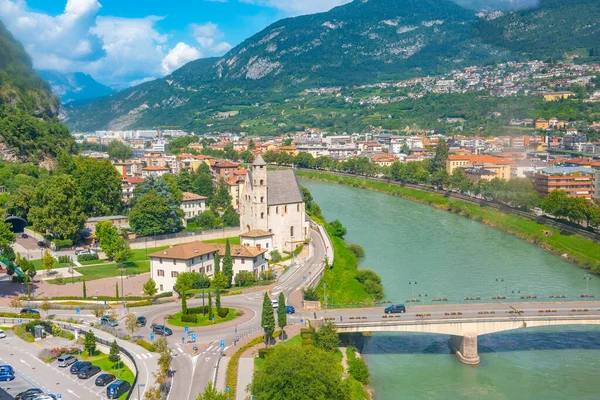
x: 275, y: 256
x: 66, y: 335
x: 267, y: 276
x: 146, y: 345
x: 198, y: 310
x: 191, y: 318
x: 87, y: 257
x: 357, y: 367
x: 64, y: 259
x: 49, y: 355
x: 244, y: 278
x: 223, y: 312
x: 142, y: 303
x: 357, y: 249
x: 364, y: 275
x: 262, y: 353
x: 23, y: 334
x: 374, y: 289
x: 62, y: 243
x: 338, y: 229
x: 310, y: 294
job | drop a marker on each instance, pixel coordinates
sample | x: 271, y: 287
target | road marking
x: 73, y: 393
x: 180, y: 349
x: 144, y: 355
x: 138, y: 356
x: 206, y: 359
x: 23, y: 361
x: 37, y: 345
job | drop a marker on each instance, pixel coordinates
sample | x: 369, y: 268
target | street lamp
x: 587, y: 279
x: 412, y: 288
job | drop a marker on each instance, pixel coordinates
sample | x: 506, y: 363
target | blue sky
x: 124, y: 42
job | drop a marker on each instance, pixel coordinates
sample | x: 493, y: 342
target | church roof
x: 256, y: 233
x: 283, y: 188
x: 258, y: 161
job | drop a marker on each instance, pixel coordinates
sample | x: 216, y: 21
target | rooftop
x: 256, y: 233
x: 187, y: 196
x: 555, y: 170
x: 283, y: 187
x: 185, y: 251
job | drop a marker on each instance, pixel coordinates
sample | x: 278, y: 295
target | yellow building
x: 555, y: 96
x: 498, y: 166
x: 541, y: 124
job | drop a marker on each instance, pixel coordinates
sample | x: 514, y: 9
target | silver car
x: 2, y: 334
x: 66, y: 360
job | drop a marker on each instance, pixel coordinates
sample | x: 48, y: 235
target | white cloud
x: 299, y: 7
x: 181, y: 54
x: 207, y: 36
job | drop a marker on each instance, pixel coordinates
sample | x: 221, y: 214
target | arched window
x: 248, y: 228
x: 261, y: 182
x: 291, y: 231
x: 262, y: 215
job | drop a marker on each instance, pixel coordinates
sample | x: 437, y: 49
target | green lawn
x: 100, y: 359
x: 38, y: 265
x: 106, y: 271
x: 203, y: 319
x: 95, y: 262
x: 232, y: 240
x: 141, y: 254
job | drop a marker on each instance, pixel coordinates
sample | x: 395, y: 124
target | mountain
x: 74, y: 86
x: 29, y: 128
x: 361, y: 42
x: 497, y: 5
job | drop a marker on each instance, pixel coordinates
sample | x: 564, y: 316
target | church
x: 272, y: 201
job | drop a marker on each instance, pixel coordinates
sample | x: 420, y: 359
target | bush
x: 222, y: 312
x: 374, y: 289
x: 146, y: 345
x: 66, y: 335
x: 142, y: 303
x: 267, y: 276
x: 60, y: 243
x: 357, y: 249
x: 49, y: 355
x: 338, y: 229
x: 191, y: 318
x: 310, y: 294
x: 364, y: 275
x: 87, y: 257
x: 357, y: 367
x: 197, y: 310
x: 244, y: 278
x: 20, y: 331
x: 275, y: 256
x: 262, y: 353
x: 64, y: 259
x: 18, y: 279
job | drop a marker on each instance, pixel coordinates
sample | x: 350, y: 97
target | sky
x: 126, y: 42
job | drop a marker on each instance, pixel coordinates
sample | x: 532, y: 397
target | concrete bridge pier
x: 465, y: 348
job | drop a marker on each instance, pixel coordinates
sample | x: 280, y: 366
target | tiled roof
x: 256, y: 233
x: 185, y: 251
x: 187, y: 196
x: 283, y: 187
x: 479, y: 159
x: 155, y: 168
x: 237, y: 250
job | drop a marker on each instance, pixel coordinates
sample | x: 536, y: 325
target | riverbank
x: 581, y: 251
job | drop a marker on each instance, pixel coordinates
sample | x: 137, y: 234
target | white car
x: 2, y: 334
x: 275, y: 303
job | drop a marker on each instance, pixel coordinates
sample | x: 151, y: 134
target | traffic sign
x: 304, y: 277
x: 193, y: 337
x: 20, y: 321
x: 301, y: 320
x: 104, y: 303
x: 151, y: 335
x: 59, y: 396
x: 77, y: 310
x: 186, y: 329
x: 228, y: 388
x: 222, y: 344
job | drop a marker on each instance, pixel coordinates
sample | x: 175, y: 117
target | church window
x: 276, y: 210
x: 262, y: 199
x: 262, y: 215
x: 298, y: 207
x: 291, y: 231
x: 261, y: 182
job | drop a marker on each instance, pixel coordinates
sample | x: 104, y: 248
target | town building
x: 155, y: 171
x: 272, y: 201
x: 576, y: 181
x: 257, y: 238
x: 499, y: 166
x: 192, y: 205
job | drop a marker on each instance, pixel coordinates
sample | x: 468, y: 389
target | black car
x: 29, y: 311
x: 141, y: 321
x: 162, y: 330
x: 395, y: 308
x: 29, y: 394
x: 79, y: 365
x: 41, y: 244
x: 104, y: 379
x: 25, y: 236
x: 87, y: 372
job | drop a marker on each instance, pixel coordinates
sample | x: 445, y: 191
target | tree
x: 268, y: 319
x: 244, y: 277
x: 218, y: 300
x: 99, y: 186
x: 131, y: 324
x: 405, y: 149
x: 438, y: 163
x: 206, y: 220
x: 459, y: 180
x: 153, y: 393
x: 116, y: 290
x: 217, y: 262
x: 202, y: 182
x: 112, y: 243
x: 327, y: 337
x: 15, y: 303
x: 281, y: 312
x: 222, y: 198
x: 338, y: 229
x: 300, y: 373
x: 556, y: 203
x: 164, y: 361
x: 119, y: 151
x: 46, y: 306
x: 211, y: 315
x: 7, y: 238
x: 211, y: 393
x: 113, y: 355
x: 220, y: 280
x: 150, y: 288
x: 84, y: 290
x: 98, y: 310
x: 57, y: 207
x: 48, y: 261
x: 230, y: 217
x: 184, y: 283
x: 228, y: 263
x: 89, y: 343
x: 439, y: 178
x: 152, y: 214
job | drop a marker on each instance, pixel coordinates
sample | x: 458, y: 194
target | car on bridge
x: 395, y: 308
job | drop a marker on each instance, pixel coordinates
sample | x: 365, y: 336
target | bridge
x: 465, y: 322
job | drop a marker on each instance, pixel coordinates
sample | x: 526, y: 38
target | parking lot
x: 31, y: 372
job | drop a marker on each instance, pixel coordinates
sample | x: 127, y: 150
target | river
x: 424, y: 253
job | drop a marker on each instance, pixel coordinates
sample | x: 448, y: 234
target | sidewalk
x: 245, y: 373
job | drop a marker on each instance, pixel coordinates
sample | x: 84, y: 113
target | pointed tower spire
x: 258, y: 161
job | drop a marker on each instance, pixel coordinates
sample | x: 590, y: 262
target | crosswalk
x: 174, y: 352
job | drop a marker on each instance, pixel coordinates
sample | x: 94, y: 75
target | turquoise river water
x: 452, y: 257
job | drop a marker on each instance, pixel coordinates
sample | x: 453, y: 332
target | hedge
x: 146, y: 345
x: 87, y: 257
x: 62, y: 243
x: 198, y: 310
x: 15, y: 315
x: 192, y: 318
x: 64, y: 259
x: 232, y: 367
x: 262, y: 353
x: 222, y: 312
x: 20, y: 332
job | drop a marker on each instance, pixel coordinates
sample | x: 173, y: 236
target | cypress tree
x: 210, y: 309
x: 217, y: 262
x: 218, y: 300
x: 281, y: 313
x: 117, y: 290
x: 228, y: 263
x: 84, y: 291
x: 268, y: 318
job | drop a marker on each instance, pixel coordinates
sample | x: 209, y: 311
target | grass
x: 203, y: 319
x: 232, y: 240
x: 95, y: 262
x: 584, y: 252
x: 105, y: 271
x: 38, y: 264
x: 141, y: 255
x: 100, y: 359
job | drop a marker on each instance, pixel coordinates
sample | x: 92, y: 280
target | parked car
x: 66, y: 360
x: 85, y: 373
x: 395, y: 308
x: 104, y: 379
x: 275, y: 303
x: 78, y: 366
x: 47, y: 396
x: 25, y: 236
x: 29, y: 394
x: 41, y: 244
x: 7, y: 373
x: 117, y: 389
x: 162, y: 330
x: 106, y: 320
x: 29, y: 311
x: 290, y: 310
x: 2, y: 334
x: 141, y: 321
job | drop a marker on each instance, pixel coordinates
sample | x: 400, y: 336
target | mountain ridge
x: 74, y: 86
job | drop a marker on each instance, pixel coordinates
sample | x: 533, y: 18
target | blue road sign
x: 222, y: 343
x: 151, y: 335
x: 193, y: 337
x: 104, y: 303
x: 77, y: 310
x: 301, y: 320
x: 186, y: 330
x: 213, y: 318
x: 59, y: 396
x: 20, y: 321
x: 304, y: 277
x: 228, y: 389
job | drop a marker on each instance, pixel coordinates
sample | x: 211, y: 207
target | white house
x: 192, y: 205
x: 258, y: 238
x: 166, y: 265
x: 272, y: 201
